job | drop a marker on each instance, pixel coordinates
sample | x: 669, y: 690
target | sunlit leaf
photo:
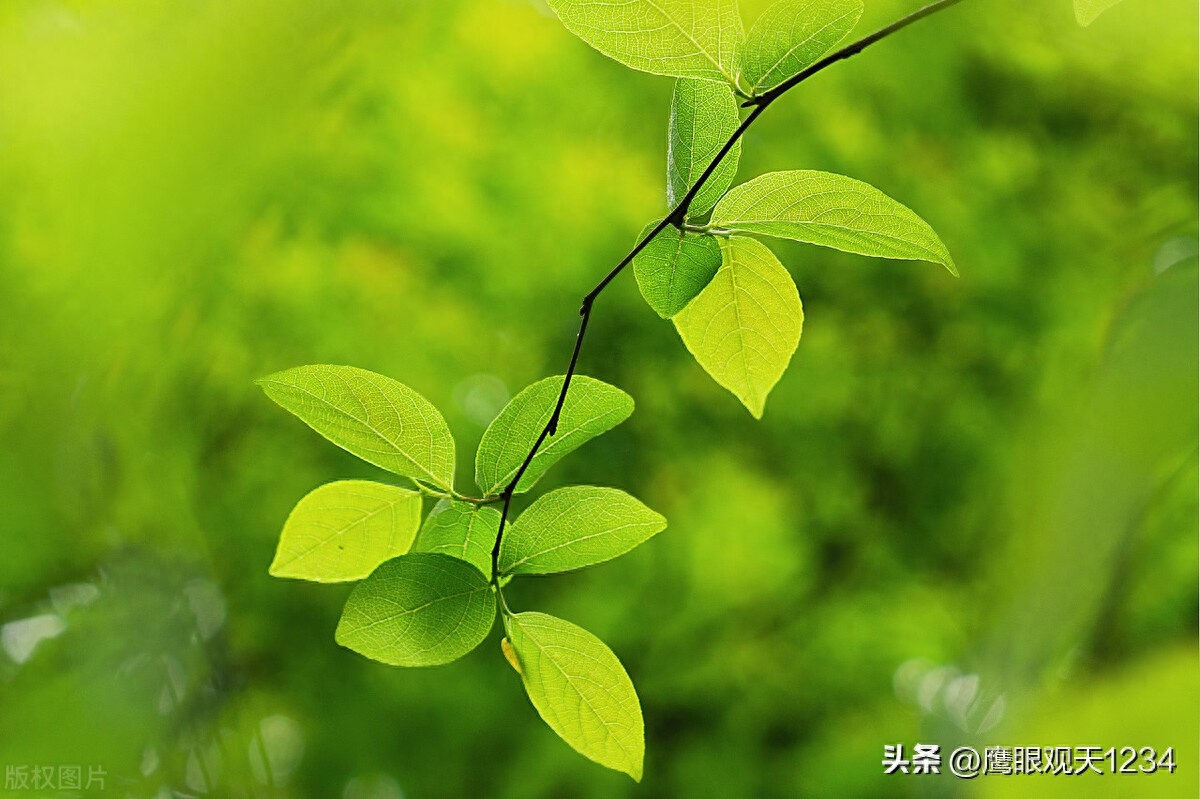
x: 374, y: 417
x: 745, y: 326
x: 420, y: 609
x: 1086, y: 11
x: 461, y: 530
x: 573, y: 527
x: 703, y: 117
x: 683, y: 38
x: 580, y: 689
x: 342, y: 531
x: 592, y: 407
x: 674, y: 267
x: 792, y: 35
x: 832, y: 211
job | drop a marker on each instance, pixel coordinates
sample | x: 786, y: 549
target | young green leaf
x: 832, y: 211
x: 674, y: 267
x: 573, y: 527
x: 683, y: 38
x: 703, y: 117
x: 1086, y: 11
x: 461, y: 530
x: 374, y: 417
x: 791, y: 35
x: 580, y: 689
x: 745, y: 326
x: 421, y: 609
x: 343, y: 530
x: 592, y: 407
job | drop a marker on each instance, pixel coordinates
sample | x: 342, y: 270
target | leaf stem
x: 430, y: 492
x: 678, y: 218
x: 504, y: 610
x: 450, y: 494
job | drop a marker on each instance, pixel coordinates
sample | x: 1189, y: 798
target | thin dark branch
x: 677, y: 217
x: 853, y: 49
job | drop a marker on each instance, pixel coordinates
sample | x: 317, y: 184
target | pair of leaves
x: 735, y: 306
x: 429, y: 608
x: 391, y: 426
x: 704, y: 39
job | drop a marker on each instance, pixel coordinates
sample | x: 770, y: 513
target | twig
x: 678, y: 217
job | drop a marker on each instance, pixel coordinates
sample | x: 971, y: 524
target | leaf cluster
x: 735, y: 306
x: 428, y: 591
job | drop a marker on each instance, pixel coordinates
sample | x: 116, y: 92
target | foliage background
x: 995, y: 475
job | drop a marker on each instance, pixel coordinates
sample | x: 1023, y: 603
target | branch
x: 678, y: 216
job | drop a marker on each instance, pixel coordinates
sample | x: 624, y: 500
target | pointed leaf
x: 592, y: 407
x: 792, y: 35
x: 1086, y: 11
x: 342, y: 531
x: 461, y: 530
x: 832, y: 211
x: 674, y: 267
x: 573, y: 527
x: 421, y: 609
x: 703, y: 117
x: 745, y: 326
x: 374, y: 417
x: 684, y: 38
x: 580, y: 689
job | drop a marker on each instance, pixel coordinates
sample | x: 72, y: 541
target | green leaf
x: 791, y: 35
x: 573, y: 527
x: 683, y: 38
x: 1086, y: 11
x: 580, y: 689
x: 374, y: 417
x: 421, y: 609
x: 745, y: 326
x: 343, y: 530
x: 674, y: 267
x: 832, y: 211
x: 461, y: 530
x: 591, y: 408
x: 703, y: 117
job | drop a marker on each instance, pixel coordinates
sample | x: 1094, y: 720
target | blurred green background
x: 969, y: 515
